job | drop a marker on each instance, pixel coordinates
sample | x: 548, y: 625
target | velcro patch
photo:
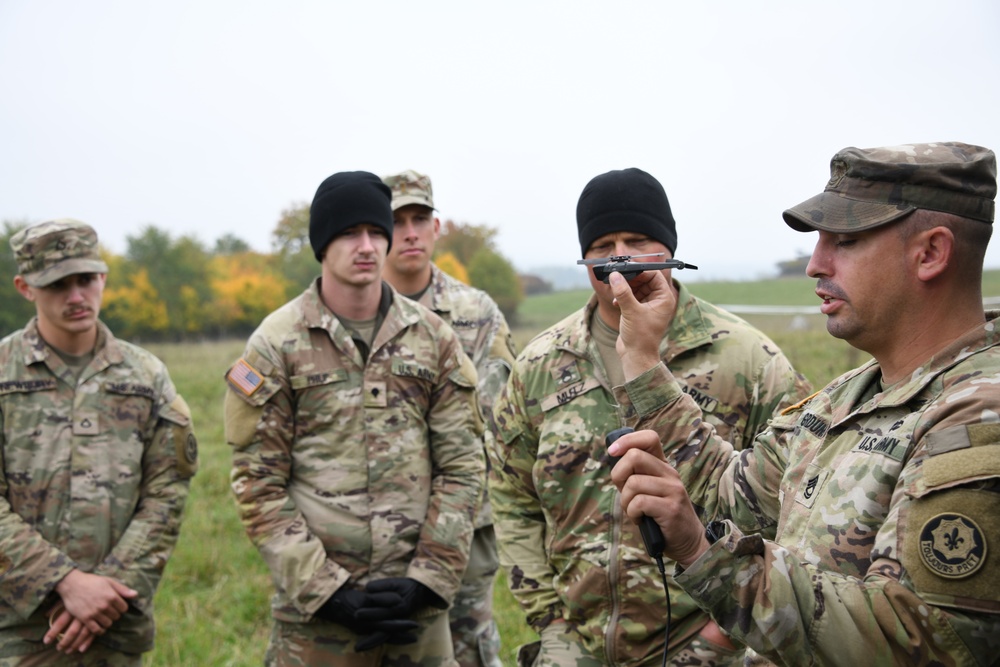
x: 945, y: 551
x: 815, y: 479
x: 566, y: 375
x: 178, y: 415
x: 708, y: 404
x: 25, y: 386
x: 952, y: 546
x: 244, y: 378
x: 567, y: 394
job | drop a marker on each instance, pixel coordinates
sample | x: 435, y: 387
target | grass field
x: 213, y: 604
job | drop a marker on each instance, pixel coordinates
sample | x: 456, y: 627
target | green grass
x: 213, y: 604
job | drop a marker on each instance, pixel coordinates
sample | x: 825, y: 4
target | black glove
x: 343, y: 606
x: 396, y: 631
x: 409, y: 596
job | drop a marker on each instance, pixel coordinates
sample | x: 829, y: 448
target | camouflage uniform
x: 882, y: 508
x: 485, y: 337
x: 347, y: 471
x: 569, y: 552
x: 95, y: 475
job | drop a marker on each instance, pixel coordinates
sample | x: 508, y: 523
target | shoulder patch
x: 244, y: 378
x: 944, y: 545
x: 952, y: 546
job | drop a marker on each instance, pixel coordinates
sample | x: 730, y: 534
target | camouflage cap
x: 409, y: 187
x: 870, y: 187
x: 50, y: 251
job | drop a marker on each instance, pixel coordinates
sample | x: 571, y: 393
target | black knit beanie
x: 625, y: 200
x: 346, y: 199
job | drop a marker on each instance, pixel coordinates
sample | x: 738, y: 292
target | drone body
x: 603, y: 267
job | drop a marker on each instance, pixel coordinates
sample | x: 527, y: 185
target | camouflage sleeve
x: 168, y: 463
x: 260, y: 429
x: 794, y: 611
x: 30, y: 566
x: 459, y: 471
x: 656, y: 401
x: 494, y: 362
x: 517, y: 512
x: 777, y: 386
x: 748, y: 583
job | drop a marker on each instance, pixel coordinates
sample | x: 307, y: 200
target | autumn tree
x: 179, y: 272
x: 492, y: 273
x: 290, y: 242
x: 133, y: 307
x: 230, y: 244
x: 464, y: 240
x: 246, y: 287
x: 448, y: 263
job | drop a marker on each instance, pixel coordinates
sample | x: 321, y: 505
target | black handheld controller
x: 652, y: 536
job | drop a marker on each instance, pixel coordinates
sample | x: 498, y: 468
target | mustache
x: 79, y: 309
x: 827, y: 286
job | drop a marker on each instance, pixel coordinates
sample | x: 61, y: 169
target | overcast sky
x: 211, y: 117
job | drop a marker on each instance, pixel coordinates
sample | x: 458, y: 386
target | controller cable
x: 652, y: 538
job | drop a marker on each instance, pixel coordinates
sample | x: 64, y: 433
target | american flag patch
x: 245, y: 377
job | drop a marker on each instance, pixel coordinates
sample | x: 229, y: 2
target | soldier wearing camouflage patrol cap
x: 862, y: 529
x: 98, y: 450
x: 357, y: 455
x: 486, y: 338
x: 575, y: 564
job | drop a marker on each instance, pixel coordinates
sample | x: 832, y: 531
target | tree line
x: 176, y: 288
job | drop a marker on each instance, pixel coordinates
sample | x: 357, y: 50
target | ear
x: 437, y: 227
x: 24, y: 288
x: 934, y: 249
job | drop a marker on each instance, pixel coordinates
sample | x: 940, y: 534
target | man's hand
x: 647, y: 305
x: 650, y: 486
x: 93, y: 600
x: 70, y: 634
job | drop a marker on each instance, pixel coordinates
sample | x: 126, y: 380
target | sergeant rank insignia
x: 952, y: 546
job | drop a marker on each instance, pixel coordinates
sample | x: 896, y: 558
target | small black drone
x: 604, y: 266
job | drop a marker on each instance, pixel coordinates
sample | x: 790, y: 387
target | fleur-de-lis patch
x: 952, y: 546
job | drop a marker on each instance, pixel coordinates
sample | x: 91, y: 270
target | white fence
x: 989, y: 302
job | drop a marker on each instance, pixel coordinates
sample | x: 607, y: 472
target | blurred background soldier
x: 357, y: 455
x: 485, y: 337
x: 576, y: 565
x: 881, y: 493
x: 97, y: 450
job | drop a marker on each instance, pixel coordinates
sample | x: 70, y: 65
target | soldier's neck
x: 75, y: 343
x: 408, y: 283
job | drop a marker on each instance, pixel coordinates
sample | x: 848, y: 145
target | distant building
x: 794, y: 268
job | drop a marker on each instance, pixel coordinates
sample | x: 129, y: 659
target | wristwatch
x: 714, y: 530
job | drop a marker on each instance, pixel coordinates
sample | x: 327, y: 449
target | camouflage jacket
x: 95, y: 476
x: 882, y: 506
x: 346, y: 471
x: 485, y: 337
x: 569, y: 552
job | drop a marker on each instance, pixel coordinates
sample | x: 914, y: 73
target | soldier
x: 486, y: 338
x: 97, y: 450
x: 860, y: 529
x: 579, y: 570
x: 357, y: 463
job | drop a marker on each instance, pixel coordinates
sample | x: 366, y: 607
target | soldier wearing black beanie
x: 625, y: 200
x: 346, y: 199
